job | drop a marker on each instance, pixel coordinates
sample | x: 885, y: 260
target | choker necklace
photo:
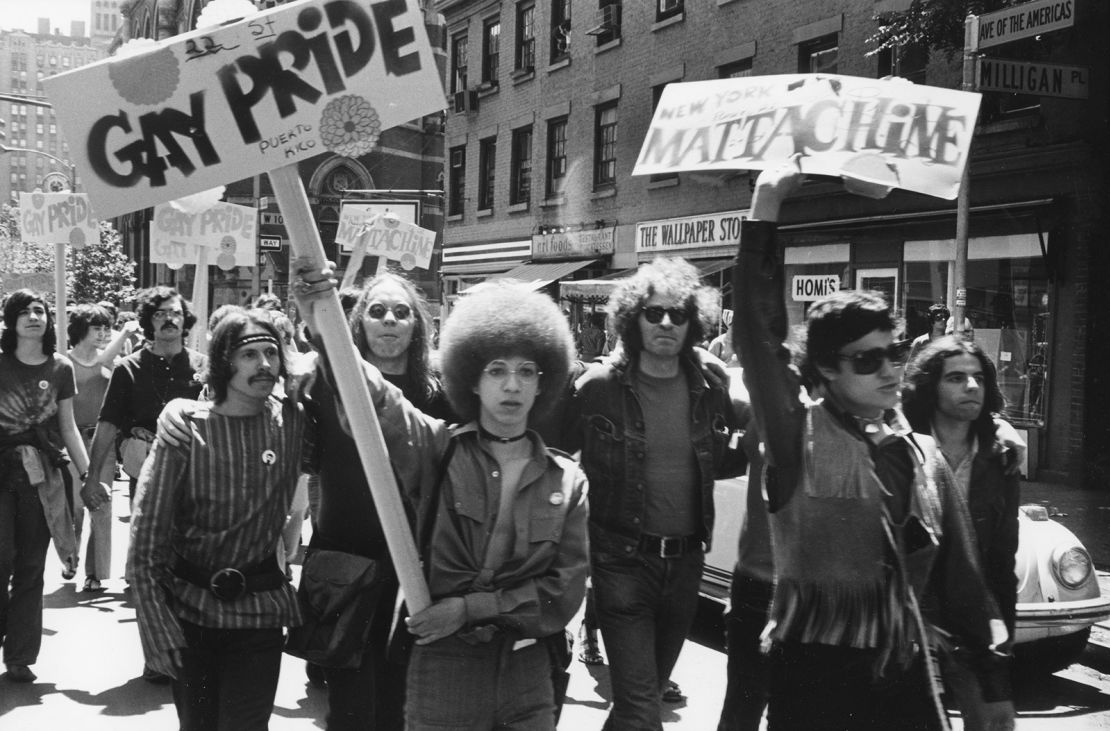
x: 504, y: 440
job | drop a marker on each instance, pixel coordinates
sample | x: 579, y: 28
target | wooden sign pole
x: 200, y: 301
x: 345, y: 363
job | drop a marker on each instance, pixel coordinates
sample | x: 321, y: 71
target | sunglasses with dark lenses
x: 940, y: 315
x: 866, y: 362
x: 654, y: 315
x: 400, y: 311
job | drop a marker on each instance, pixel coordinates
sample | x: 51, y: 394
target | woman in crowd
x: 90, y: 329
x: 508, y: 553
x: 36, y: 422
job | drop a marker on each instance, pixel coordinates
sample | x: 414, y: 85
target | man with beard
x: 140, y: 386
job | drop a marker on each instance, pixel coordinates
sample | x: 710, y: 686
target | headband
x: 255, y: 338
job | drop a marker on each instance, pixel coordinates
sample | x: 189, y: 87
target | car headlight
x: 1072, y: 566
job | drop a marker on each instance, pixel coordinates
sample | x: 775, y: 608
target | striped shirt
x: 219, y: 502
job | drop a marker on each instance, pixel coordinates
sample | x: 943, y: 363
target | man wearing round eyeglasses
x: 140, y: 386
x: 938, y: 319
x: 871, y: 545
x: 655, y: 430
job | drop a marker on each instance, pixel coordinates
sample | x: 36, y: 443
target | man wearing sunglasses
x: 655, y: 430
x: 938, y: 319
x: 870, y: 543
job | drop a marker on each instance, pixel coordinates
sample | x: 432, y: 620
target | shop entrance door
x: 880, y: 280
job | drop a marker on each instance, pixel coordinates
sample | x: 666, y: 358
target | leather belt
x: 229, y: 584
x: 668, y: 546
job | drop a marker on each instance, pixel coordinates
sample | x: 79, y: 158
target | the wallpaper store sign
x: 574, y: 244
x: 692, y: 232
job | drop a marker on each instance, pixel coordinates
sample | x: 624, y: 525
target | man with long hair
x: 210, y: 596
x: 36, y: 422
x: 951, y: 392
x: 871, y: 544
x: 655, y: 429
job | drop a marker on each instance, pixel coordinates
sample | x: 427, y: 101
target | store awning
x: 541, y: 275
x: 604, y: 285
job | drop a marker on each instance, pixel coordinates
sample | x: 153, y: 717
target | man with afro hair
x: 507, y: 557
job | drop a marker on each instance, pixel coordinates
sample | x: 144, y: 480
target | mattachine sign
x: 224, y: 103
x: 887, y: 132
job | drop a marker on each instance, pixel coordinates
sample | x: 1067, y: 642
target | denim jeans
x: 456, y: 685
x: 645, y: 607
x: 746, y: 692
x: 229, y: 678
x: 24, y: 542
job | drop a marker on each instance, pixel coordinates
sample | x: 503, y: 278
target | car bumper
x: 1052, y: 619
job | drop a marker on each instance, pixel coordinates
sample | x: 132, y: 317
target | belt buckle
x: 664, y: 553
x: 227, y: 585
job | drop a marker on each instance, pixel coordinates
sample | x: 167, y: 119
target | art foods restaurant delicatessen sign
x: 708, y: 233
x: 574, y: 244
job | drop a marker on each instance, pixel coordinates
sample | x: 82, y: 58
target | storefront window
x: 809, y: 271
x: 1007, y: 304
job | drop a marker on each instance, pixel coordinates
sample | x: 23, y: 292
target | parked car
x: 1058, y: 593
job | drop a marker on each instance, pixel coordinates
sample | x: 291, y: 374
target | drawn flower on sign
x: 350, y: 126
x: 226, y: 259
x: 142, y: 77
x: 77, y: 237
x: 38, y: 200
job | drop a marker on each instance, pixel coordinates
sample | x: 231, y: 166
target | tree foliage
x: 100, y: 271
x: 934, y: 24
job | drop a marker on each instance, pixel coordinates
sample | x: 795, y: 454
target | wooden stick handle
x: 345, y: 363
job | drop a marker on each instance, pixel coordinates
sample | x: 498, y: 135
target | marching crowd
x: 875, y: 579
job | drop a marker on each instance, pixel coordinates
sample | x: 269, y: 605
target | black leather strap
x: 229, y: 584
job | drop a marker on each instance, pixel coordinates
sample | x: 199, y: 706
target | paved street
x: 90, y: 663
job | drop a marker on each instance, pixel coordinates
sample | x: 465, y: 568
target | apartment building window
x: 526, y: 37
x: 818, y: 56
x: 605, y: 145
x: 735, y: 70
x: 668, y: 9
x: 487, y: 165
x: 656, y: 95
x: 456, y: 180
x: 608, y: 26
x: 521, y: 191
x: 560, y: 30
x: 458, y: 63
x: 556, y: 156
x: 906, y: 61
x: 491, y: 51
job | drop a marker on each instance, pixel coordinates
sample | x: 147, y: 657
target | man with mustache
x: 140, y: 386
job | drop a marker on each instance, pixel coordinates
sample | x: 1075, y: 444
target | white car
x: 1058, y: 593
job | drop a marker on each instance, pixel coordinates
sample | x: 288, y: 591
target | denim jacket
x: 605, y: 420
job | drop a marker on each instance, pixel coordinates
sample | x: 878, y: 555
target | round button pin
x: 44, y: 385
x: 556, y: 498
x: 268, y: 457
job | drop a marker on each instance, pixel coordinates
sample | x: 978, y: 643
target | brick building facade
x: 550, y: 101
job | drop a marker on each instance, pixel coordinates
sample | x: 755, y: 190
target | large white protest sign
x: 355, y: 215
x: 57, y: 218
x: 221, y: 104
x: 885, y: 132
x: 228, y: 230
